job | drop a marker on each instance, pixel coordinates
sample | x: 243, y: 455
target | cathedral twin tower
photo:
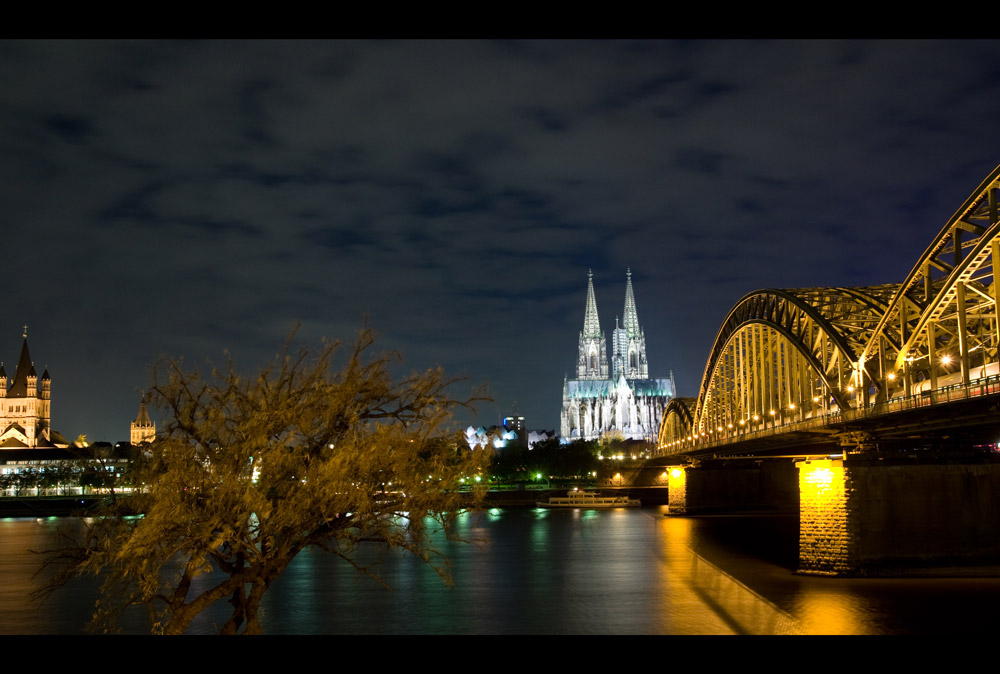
x: 626, y: 404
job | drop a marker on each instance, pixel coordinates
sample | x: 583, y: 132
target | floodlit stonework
x: 143, y: 429
x: 25, y: 405
x: 621, y: 401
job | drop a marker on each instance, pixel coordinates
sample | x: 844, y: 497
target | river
x: 535, y: 571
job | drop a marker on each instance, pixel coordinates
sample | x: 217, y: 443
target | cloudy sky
x: 193, y: 197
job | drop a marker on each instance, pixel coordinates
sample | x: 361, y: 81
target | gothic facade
x: 621, y: 400
x: 25, y: 406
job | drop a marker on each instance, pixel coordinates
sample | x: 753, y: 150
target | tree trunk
x: 238, y: 601
x: 257, y: 590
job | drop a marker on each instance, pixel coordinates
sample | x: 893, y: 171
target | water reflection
x: 742, y: 610
x: 536, y: 571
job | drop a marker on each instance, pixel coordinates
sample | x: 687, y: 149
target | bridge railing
x: 975, y: 388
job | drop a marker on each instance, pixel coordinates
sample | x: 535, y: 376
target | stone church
x: 25, y: 405
x: 143, y: 429
x: 621, y: 400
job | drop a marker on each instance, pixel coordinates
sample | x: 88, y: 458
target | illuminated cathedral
x: 620, y: 401
x: 25, y: 405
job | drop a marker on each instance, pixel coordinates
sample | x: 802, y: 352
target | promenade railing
x: 975, y: 388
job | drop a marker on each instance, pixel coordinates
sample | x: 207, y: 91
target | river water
x: 535, y: 571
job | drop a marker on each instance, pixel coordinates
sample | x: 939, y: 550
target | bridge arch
x: 677, y: 421
x: 941, y: 324
x: 787, y: 353
x: 790, y: 354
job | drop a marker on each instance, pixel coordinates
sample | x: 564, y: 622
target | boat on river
x: 580, y: 498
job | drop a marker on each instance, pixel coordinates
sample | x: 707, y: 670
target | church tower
x: 628, y: 341
x: 624, y: 403
x: 143, y: 428
x: 25, y: 406
x: 592, y: 362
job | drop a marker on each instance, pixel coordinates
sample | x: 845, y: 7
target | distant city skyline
x: 194, y: 197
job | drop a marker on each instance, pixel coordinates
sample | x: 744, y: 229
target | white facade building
x: 625, y: 403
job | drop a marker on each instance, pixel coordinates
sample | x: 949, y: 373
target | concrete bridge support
x: 827, y: 529
x: 870, y: 516
x: 862, y: 515
x: 732, y: 486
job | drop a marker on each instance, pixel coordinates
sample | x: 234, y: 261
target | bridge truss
x: 786, y: 356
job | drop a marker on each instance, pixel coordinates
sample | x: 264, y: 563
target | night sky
x: 192, y: 197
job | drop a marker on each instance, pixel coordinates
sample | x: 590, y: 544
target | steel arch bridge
x: 788, y: 358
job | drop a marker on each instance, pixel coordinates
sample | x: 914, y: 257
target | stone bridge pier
x: 861, y: 514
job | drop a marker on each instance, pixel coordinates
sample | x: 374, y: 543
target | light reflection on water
x: 536, y: 571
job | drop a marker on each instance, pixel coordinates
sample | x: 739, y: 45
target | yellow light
x: 791, y: 406
x: 945, y: 359
x: 675, y: 473
x: 756, y: 418
x: 815, y: 399
x: 819, y: 477
x: 772, y: 413
x: 892, y: 376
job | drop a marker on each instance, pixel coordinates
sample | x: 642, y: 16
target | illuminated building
x: 624, y: 402
x: 143, y: 429
x: 515, y: 423
x: 498, y: 436
x: 25, y: 405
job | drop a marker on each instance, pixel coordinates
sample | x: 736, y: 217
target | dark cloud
x: 699, y: 160
x: 192, y: 196
x: 70, y: 128
x: 339, y: 239
x: 548, y: 120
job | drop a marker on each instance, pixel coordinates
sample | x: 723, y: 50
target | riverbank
x: 47, y: 506
x: 650, y: 496
x: 65, y: 506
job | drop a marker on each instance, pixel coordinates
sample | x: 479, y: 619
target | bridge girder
x: 677, y: 420
x: 803, y: 352
x: 940, y: 327
x: 787, y: 352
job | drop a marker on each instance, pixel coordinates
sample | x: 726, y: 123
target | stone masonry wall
x: 677, y: 490
x: 874, y: 518
x: 926, y: 515
x: 825, y: 523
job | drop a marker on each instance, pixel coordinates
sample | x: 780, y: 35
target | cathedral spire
x: 628, y: 344
x: 592, y: 361
x: 625, y: 402
x: 591, y: 325
x: 630, y: 320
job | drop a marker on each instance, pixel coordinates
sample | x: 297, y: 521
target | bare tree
x: 250, y: 471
